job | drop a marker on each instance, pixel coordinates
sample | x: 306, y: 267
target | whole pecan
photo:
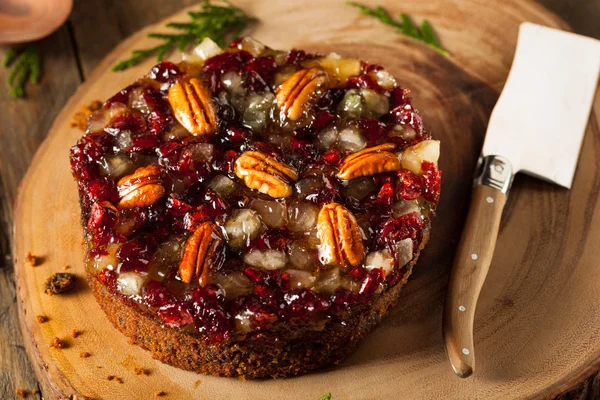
x: 371, y: 161
x: 201, y: 254
x: 341, y: 239
x: 193, y: 106
x: 301, y: 90
x: 142, y: 188
x: 265, y: 174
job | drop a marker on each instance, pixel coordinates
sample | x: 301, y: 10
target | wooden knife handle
x: 471, y: 266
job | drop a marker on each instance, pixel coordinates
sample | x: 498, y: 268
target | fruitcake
x: 251, y: 212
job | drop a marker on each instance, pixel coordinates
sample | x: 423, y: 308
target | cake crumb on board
x: 21, y: 393
x: 41, y: 319
x: 160, y: 393
x: 75, y: 333
x: 56, y: 343
x: 84, y: 354
x: 31, y: 259
x: 140, y: 371
x: 59, y: 282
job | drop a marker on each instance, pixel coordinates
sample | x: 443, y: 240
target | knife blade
x: 536, y: 128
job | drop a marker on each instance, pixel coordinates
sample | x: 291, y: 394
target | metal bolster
x: 495, y: 172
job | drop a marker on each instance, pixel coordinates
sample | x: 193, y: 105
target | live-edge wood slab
x: 538, y: 320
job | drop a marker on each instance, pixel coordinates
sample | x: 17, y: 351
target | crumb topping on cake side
x: 248, y: 190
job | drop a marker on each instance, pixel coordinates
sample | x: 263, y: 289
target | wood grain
x: 519, y: 337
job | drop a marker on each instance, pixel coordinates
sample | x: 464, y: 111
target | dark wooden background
x: 94, y: 28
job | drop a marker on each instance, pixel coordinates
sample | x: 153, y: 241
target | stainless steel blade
x: 540, y: 119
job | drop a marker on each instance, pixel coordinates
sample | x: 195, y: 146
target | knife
x: 537, y: 128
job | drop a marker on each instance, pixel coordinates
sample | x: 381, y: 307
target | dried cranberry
x: 432, y: 178
x: 370, y: 284
x: 175, y: 315
x: 132, y: 121
x: 215, y: 204
x: 404, y: 227
x: 332, y: 157
x: 372, y: 129
x: 102, y: 189
x: 362, y: 82
x: 260, y: 72
x: 165, y: 72
x: 102, y: 220
x: 194, y: 218
x: 272, y: 239
x: 357, y: 272
x: 177, y: 207
x: 108, y: 277
x: 341, y: 301
x: 120, y: 97
x: 253, y: 274
x: 144, y: 143
x: 135, y: 255
x: 407, y: 115
x: 226, y: 163
x: 156, y: 294
x: 159, y: 117
x: 330, y: 100
x: 295, y: 56
x: 409, y: 185
x: 302, y: 305
x: 385, y: 197
x: 212, y: 319
x: 222, y: 63
x: 399, y: 97
x: 236, y: 135
x: 322, y: 119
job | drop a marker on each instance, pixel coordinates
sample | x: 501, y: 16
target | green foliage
x: 406, y: 26
x: 217, y: 22
x: 325, y: 397
x: 25, y: 65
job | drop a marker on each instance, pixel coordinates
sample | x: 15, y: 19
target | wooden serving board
x: 537, y: 330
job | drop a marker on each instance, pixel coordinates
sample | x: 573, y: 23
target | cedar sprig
x: 25, y: 65
x: 406, y: 26
x: 219, y: 23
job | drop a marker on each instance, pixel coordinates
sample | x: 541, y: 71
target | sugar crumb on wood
x: 160, y: 393
x: 140, y: 371
x: 114, y: 378
x: 75, y: 333
x: 59, y: 282
x: 84, y: 354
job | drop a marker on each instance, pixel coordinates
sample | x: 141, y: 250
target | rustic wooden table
x: 69, y: 55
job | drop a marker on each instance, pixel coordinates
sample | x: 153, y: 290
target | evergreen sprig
x: 217, y: 22
x: 25, y: 65
x: 405, y: 25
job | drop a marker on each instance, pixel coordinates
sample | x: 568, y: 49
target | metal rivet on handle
x: 474, y: 256
x: 465, y: 351
x: 489, y: 200
x: 462, y: 308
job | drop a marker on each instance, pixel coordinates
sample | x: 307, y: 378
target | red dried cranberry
x: 341, y: 301
x: 158, y: 118
x: 432, y: 178
x: 194, y: 218
x: 407, y: 115
x: 134, y: 255
x: 403, y: 227
x: 295, y: 56
x: 409, y: 185
x: 385, y: 197
x: 175, y: 315
x: 260, y: 72
x: 362, y: 82
x: 226, y: 163
x: 156, y: 294
x: 132, y: 121
x: 121, y: 97
x: 372, y: 129
x: 215, y: 204
x: 272, y: 239
x: 212, y: 319
x: 144, y: 142
x: 222, y: 63
x: 102, y: 220
x: 332, y: 157
x: 177, y: 207
x: 357, y: 272
x: 108, y: 277
x: 102, y: 189
x: 370, y: 284
x: 253, y: 274
x: 368, y: 67
x: 399, y: 97
x: 236, y: 135
x: 322, y: 119
x: 165, y: 72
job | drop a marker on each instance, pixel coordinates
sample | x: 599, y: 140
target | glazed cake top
x: 245, y: 189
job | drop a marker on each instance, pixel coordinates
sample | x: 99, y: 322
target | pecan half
x: 142, y: 188
x: 341, y: 239
x: 193, y: 107
x: 201, y: 254
x: 265, y: 174
x: 371, y: 161
x: 301, y: 90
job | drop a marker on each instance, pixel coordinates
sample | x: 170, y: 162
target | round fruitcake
x: 251, y: 212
